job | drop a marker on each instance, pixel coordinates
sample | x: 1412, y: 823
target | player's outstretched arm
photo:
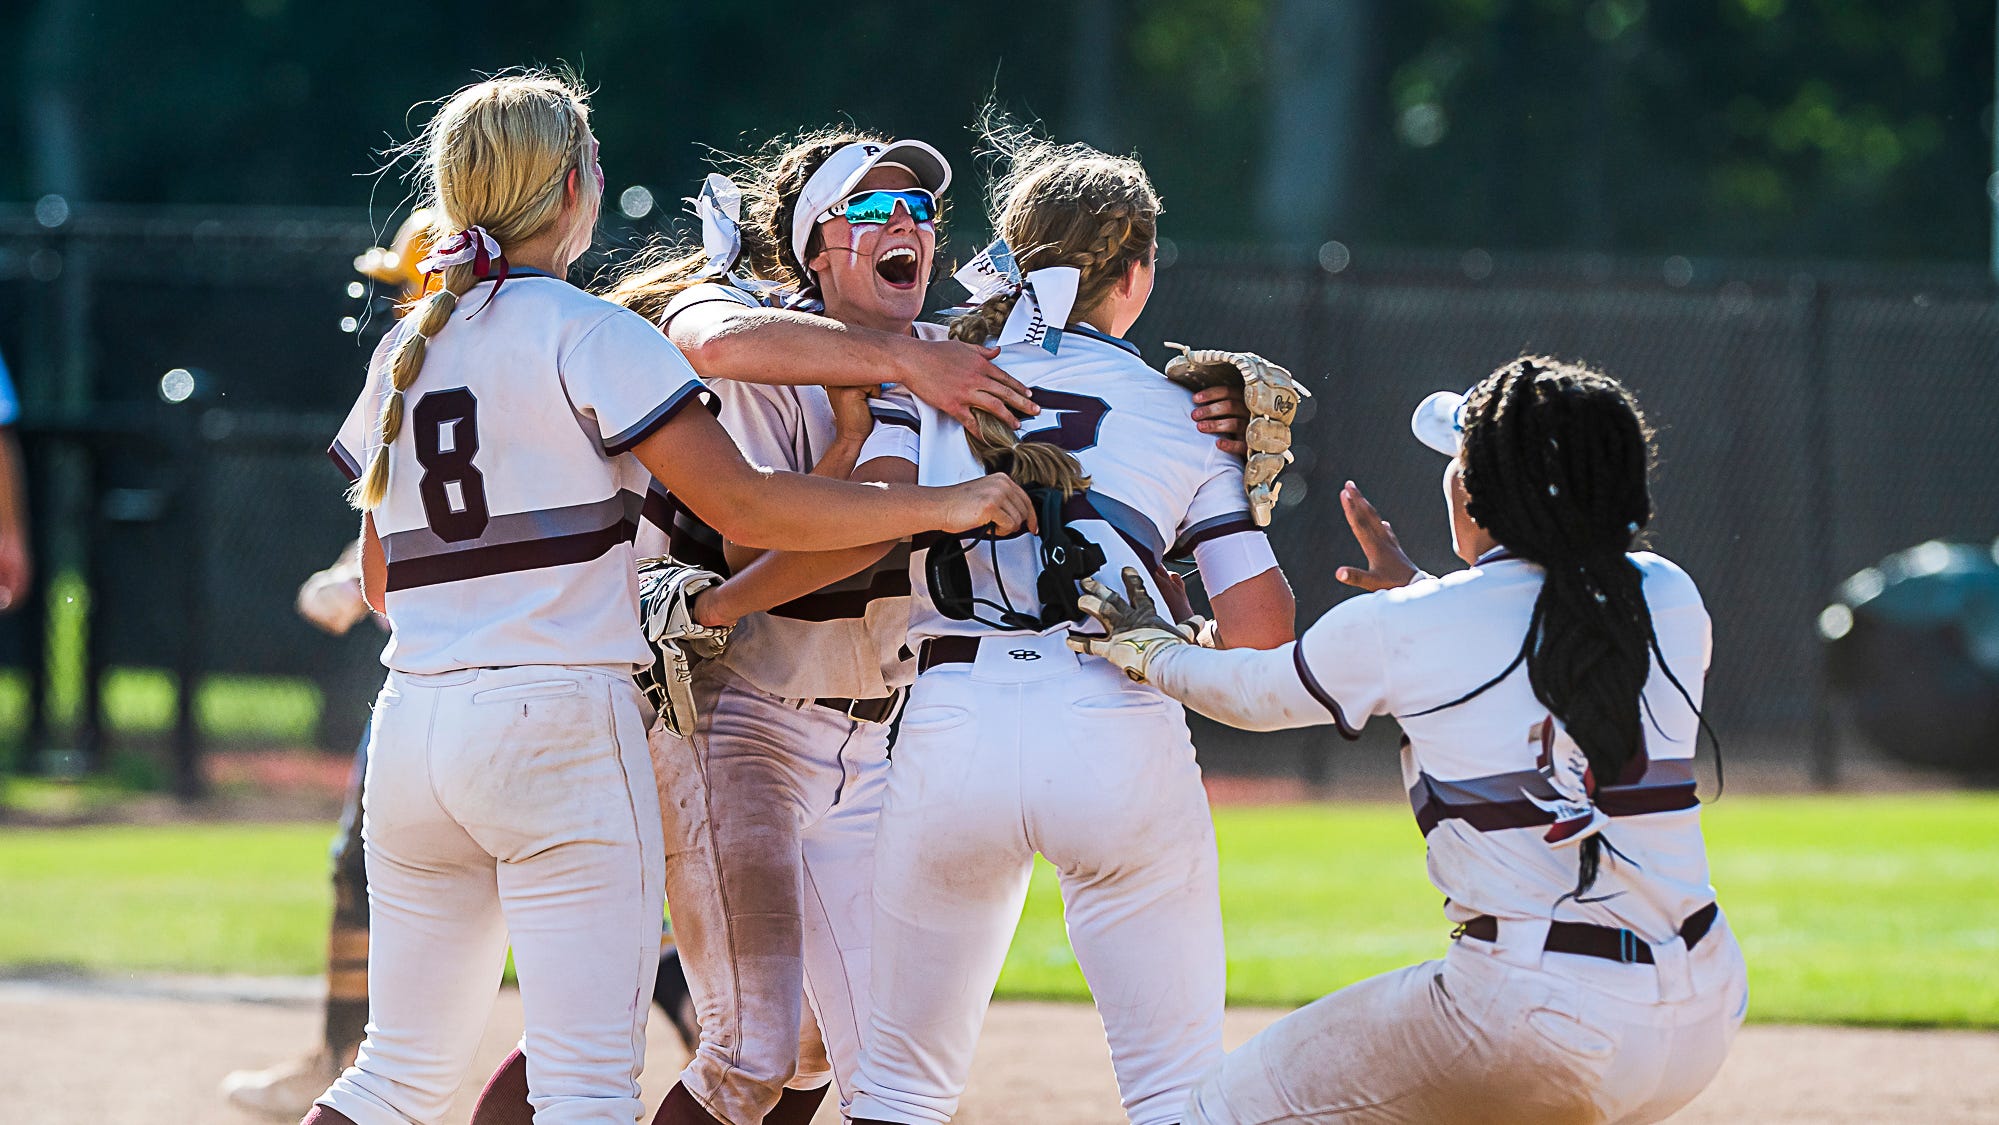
x: 1255, y: 689
x: 777, y: 577
x: 694, y: 457
x: 724, y: 340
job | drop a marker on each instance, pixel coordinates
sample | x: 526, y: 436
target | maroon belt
x: 875, y: 711
x: 1606, y: 942
x: 946, y: 650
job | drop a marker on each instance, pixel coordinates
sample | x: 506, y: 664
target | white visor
x: 1440, y: 422
x: 835, y: 180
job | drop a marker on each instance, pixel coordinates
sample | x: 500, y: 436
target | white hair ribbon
x: 472, y: 245
x: 1566, y: 769
x: 1046, y: 295
x: 720, y: 208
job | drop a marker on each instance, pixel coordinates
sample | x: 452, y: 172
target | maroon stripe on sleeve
x: 1319, y: 693
x: 662, y: 414
x: 344, y: 461
x: 1215, y: 530
x: 886, y: 415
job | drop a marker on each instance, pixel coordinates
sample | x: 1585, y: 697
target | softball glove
x: 1272, y: 396
x: 666, y: 614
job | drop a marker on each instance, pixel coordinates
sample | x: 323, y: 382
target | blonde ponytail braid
x: 497, y: 158
x: 424, y: 322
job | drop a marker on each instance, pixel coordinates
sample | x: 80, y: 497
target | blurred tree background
x: 1783, y: 128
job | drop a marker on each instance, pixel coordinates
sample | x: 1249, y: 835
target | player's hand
x: 954, y: 377
x: 992, y: 500
x: 1221, y: 411
x: 1174, y: 590
x: 15, y: 571
x: 852, y: 420
x: 1387, y: 565
x: 1134, y: 630
x: 710, y: 608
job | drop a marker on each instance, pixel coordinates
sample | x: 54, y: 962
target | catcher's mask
x: 1067, y: 557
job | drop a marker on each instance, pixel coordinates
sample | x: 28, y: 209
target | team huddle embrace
x: 669, y: 568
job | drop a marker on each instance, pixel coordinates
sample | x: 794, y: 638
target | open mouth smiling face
x: 898, y: 264
x: 878, y: 269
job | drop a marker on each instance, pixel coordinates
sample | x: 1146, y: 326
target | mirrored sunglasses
x: 879, y: 206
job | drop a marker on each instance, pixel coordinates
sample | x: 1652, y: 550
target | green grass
x: 203, y: 898
x: 1852, y: 909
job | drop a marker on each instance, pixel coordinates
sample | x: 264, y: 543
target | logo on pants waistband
x: 1024, y: 654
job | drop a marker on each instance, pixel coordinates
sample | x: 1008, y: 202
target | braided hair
x: 497, y: 155
x: 1555, y: 460
x: 1056, y: 205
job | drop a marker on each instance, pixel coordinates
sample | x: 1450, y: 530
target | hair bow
x: 471, y: 245
x: 1566, y: 769
x: 1046, y: 295
x: 719, y: 206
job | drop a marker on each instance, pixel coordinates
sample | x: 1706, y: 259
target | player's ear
x: 1128, y: 284
x: 569, y: 187
x: 814, y: 258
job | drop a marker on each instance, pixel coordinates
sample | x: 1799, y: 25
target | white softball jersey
x: 1160, y: 489
x: 513, y: 498
x: 1486, y: 777
x: 844, y: 640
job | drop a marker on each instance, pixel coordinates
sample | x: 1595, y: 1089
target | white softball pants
x: 1033, y: 749
x: 1490, y: 1035
x: 770, y: 809
x: 508, y: 802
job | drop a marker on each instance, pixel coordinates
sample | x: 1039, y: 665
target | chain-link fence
x: 1811, y: 419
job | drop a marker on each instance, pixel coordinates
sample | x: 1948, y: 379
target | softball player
x: 1014, y: 745
x: 1593, y: 978
x: 508, y: 791
x: 792, y: 739
x: 793, y: 745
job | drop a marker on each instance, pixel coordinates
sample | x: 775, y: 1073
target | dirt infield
x: 123, y: 1053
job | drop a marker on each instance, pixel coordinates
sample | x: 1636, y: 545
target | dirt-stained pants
x: 770, y: 808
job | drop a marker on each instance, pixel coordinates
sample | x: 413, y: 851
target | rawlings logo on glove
x: 1271, y: 395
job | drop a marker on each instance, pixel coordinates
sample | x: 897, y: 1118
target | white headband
x: 1046, y: 295
x: 835, y: 178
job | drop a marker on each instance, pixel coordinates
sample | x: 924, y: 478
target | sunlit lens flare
x: 177, y: 385
x: 636, y: 201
